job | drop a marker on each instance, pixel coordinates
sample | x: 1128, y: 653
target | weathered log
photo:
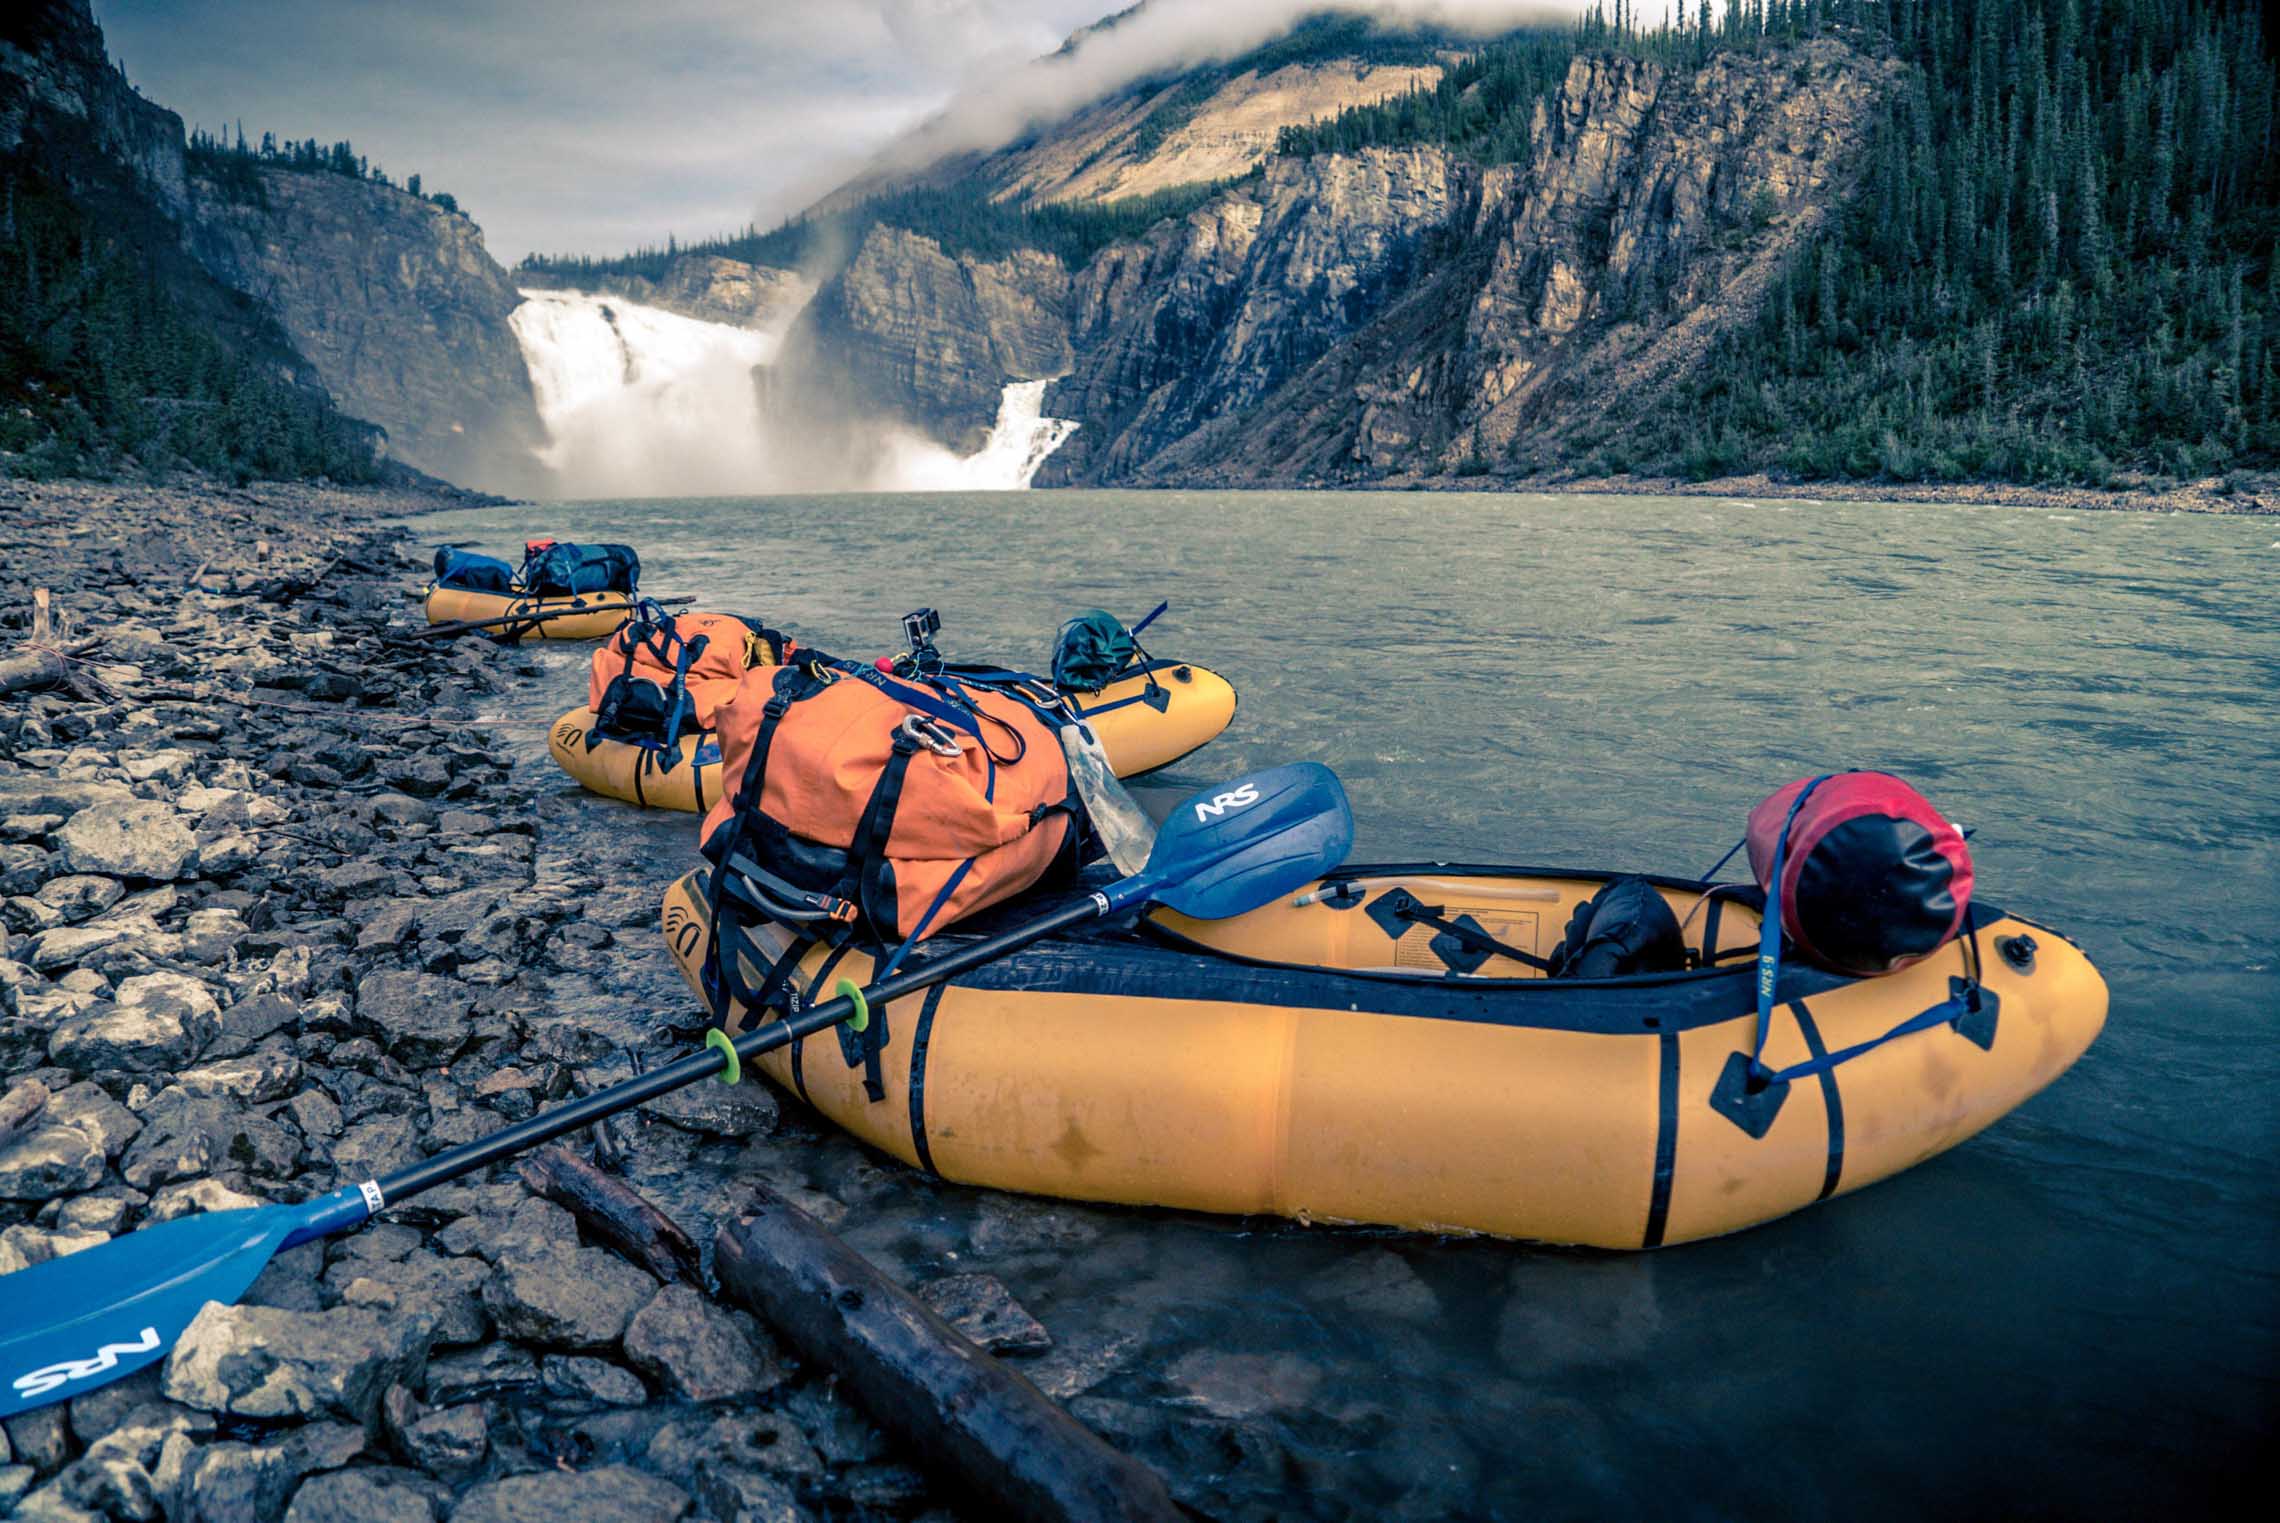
x: 984, y: 1428
x: 615, y: 1212
x: 45, y: 658
x: 32, y: 669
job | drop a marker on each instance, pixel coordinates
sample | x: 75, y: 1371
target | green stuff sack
x: 1093, y: 647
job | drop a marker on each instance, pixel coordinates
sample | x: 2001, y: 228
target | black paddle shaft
x: 535, y: 615
x: 455, y: 1163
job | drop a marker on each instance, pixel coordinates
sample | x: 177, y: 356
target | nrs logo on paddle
x: 1219, y: 804
x: 41, y: 1381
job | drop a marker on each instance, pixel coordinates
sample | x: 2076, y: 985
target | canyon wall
x: 1385, y: 315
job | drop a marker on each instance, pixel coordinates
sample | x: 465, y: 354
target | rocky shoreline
x: 276, y: 915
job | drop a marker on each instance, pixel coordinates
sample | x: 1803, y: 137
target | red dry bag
x: 1873, y: 877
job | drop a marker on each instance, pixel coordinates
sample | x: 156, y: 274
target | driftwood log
x: 985, y: 1429
x: 47, y: 658
x: 615, y: 1212
x: 32, y: 669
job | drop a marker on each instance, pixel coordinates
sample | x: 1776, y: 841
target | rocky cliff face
x: 1206, y: 318
x: 385, y: 301
x: 61, y: 99
x: 1391, y: 314
x: 907, y: 334
x: 1655, y: 210
x: 396, y: 304
x: 67, y: 115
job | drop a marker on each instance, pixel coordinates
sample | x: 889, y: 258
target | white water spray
x: 641, y: 402
x: 1007, y: 461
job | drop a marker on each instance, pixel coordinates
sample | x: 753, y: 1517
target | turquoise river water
x: 2072, y: 1315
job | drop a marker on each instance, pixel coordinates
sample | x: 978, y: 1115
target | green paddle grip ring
x: 731, y: 1066
x: 861, y: 1019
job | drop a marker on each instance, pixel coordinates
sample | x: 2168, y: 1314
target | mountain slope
x: 1955, y: 239
x: 221, y: 308
x: 1196, y: 124
x: 117, y: 348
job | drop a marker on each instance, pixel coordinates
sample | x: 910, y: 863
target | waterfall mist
x: 642, y: 402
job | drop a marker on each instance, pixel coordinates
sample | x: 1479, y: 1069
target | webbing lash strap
x: 669, y: 742
x: 773, y: 898
x: 1155, y: 694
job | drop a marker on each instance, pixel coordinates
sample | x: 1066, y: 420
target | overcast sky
x: 588, y: 126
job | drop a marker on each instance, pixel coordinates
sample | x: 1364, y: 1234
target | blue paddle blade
x: 87, y: 1319
x: 1232, y: 848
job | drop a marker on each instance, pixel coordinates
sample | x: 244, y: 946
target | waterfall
x: 1006, y: 462
x: 641, y: 402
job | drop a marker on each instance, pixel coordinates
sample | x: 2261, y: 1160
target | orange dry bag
x: 665, y: 675
x: 900, y: 804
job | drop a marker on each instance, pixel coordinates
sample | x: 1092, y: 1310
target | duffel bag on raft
x: 1871, y: 876
x: 557, y: 568
x: 895, y: 805
x: 666, y: 675
x: 474, y: 573
x: 1094, y: 648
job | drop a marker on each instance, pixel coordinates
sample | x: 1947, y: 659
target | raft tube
x: 606, y: 613
x: 1305, y: 1061
x: 1138, y: 736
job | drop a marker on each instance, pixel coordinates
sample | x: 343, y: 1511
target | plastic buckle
x: 936, y: 737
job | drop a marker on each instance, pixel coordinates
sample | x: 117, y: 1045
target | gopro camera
x: 920, y: 627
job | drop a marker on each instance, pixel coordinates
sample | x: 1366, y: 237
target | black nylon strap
x: 756, y: 765
x: 772, y: 987
x: 822, y: 978
x: 868, y: 880
x: 1478, y: 940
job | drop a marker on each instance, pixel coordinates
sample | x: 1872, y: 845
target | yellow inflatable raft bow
x: 1139, y: 737
x: 1305, y: 1061
x: 606, y: 613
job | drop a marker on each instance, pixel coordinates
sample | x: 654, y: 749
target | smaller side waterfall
x: 1008, y: 460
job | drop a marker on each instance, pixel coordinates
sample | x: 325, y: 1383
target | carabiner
x: 920, y: 731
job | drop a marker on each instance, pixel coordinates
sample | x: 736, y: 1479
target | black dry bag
x: 565, y: 570
x: 472, y: 572
x: 1623, y: 929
